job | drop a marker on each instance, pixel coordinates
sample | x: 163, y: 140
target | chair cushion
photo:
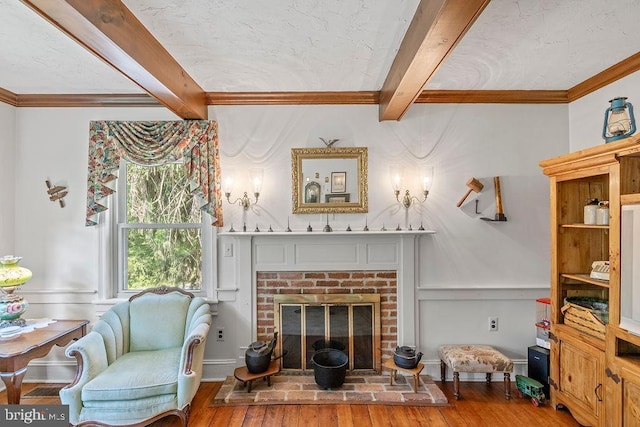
x: 158, y: 321
x: 125, y: 412
x: 136, y: 375
x: 475, y: 358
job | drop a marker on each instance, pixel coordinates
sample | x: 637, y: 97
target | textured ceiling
x: 328, y: 45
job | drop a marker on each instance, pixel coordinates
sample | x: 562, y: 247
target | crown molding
x: 87, y: 100
x: 8, y: 97
x: 492, y: 97
x: 291, y: 98
x: 617, y: 71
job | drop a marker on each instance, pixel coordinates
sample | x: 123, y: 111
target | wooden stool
x: 414, y: 371
x: 474, y: 358
x: 243, y: 374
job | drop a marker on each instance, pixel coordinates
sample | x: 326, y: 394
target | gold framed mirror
x: 329, y: 180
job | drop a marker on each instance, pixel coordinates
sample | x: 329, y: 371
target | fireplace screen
x: 349, y: 322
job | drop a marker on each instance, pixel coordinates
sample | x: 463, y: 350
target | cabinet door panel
x: 579, y: 369
x: 631, y: 403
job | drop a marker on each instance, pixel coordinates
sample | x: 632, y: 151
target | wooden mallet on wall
x: 474, y: 185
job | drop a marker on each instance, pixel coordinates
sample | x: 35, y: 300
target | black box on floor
x: 538, y: 366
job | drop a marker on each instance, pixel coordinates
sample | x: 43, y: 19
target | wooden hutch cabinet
x: 595, y: 373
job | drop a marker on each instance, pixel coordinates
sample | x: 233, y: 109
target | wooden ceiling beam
x: 110, y: 31
x: 436, y: 28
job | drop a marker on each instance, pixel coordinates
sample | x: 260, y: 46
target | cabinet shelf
x: 629, y: 199
x: 584, y: 278
x: 581, y: 225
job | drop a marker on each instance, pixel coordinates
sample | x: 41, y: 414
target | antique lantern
x: 619, y: 122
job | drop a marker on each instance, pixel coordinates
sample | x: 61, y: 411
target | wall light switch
x: 228, y: 249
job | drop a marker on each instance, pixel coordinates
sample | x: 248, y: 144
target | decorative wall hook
x: 56, y: 193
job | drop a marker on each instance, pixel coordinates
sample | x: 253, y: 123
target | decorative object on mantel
x: 327, y: 228
x: 348, y: 227
x: 383, y: 227
x: 12, y: 306
x: 499, y: 212
x: 288, y: 230
x: 421, y: 228
x: 244, y: 227
x: 398, y: 228
x: 330, y: 142
x: 618, y: 124
x: 257, y: 230
x: 270, y: 230
x: 309, y: 228
x: 366, y: 225
x: 396, y: 174
x: 56, y: 193
x: 475, y: 185
x: 256, y: 175
x: 231, y: 230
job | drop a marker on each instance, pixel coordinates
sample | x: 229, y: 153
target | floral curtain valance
x: 194, y: 142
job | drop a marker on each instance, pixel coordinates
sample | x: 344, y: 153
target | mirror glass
x: 329, y: 180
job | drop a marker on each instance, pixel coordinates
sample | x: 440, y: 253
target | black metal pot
x: 406, y: 357
x: 258, y: 355
x: 329, y: 367
x: 321, y: 344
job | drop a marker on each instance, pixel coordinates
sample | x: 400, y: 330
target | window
x: 161, y: 237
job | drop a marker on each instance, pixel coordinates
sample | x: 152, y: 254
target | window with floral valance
x: 193, y: 142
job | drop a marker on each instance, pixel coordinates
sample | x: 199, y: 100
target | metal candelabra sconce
x: 397, y: 176
x: 256, y: 175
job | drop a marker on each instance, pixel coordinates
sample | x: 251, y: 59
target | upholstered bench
x: 474, y: 358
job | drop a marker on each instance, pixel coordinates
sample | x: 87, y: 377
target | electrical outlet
x: 220, y: 334
x: 493, y: 324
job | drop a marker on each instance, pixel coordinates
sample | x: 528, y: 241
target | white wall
x: 7, y: 177
x: 473, y: 268
x: 586, y: 115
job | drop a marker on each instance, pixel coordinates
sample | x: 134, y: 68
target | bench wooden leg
x: 456, y: 385
x: 416, y: 381
x: 507, y: 386
x: 488, y: 376
x: 443, y: 370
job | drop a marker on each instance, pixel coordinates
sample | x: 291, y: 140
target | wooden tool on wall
x: 499, y: 212
x: 474, y: 185
x: 56, y: 193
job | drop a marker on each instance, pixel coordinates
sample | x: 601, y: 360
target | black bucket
x: 329, y: 367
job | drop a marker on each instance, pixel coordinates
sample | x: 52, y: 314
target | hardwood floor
x: 480, y: 405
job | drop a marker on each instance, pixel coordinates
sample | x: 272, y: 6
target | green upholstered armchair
x: 141, y: 361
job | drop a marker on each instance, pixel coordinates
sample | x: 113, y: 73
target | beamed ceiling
x: 187, y: 55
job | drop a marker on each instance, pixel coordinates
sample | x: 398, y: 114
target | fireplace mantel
x: 327, y: 251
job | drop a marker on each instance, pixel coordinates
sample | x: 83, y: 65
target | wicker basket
x: 583, y: 319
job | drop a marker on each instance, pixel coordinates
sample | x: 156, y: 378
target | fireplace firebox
x: 348, y: 322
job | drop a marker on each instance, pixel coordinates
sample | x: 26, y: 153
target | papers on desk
x: 11, y: 332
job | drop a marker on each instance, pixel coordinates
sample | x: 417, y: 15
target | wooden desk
x: 16, y: 354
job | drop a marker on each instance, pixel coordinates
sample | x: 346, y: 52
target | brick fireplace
x: 320, y: 263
